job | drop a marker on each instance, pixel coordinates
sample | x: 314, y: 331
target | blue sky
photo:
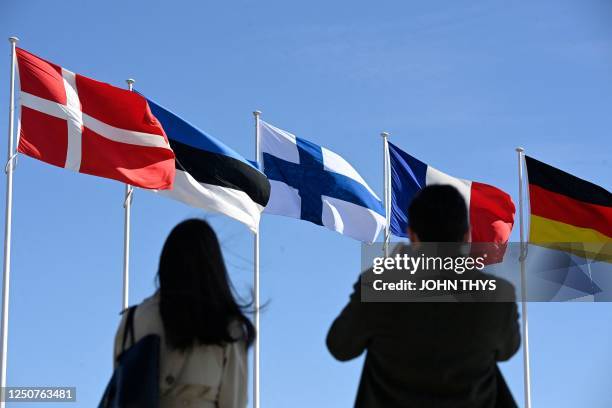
x: 457, y: 85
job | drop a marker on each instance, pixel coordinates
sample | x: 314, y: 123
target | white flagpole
x: 8, y: 224
x: 387, y: 190
x: 527, y: 373
x: 127, y: 205
x: 256, y: 281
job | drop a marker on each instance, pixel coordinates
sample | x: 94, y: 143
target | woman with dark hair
x: 204, y: 332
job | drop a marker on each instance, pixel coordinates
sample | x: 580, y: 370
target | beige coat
x: 203, y: 377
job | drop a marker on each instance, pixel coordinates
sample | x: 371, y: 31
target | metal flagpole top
x: 13, y: 40
x: 256, y: 113
x: 520, y: 149
x: 130, y: 82
x: 385, y: 134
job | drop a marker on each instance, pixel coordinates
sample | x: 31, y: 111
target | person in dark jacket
x: 430, y: 354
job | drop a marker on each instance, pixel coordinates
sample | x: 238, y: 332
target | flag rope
x: 12, y: 162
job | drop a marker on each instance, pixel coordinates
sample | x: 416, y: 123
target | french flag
x: 490, y: 209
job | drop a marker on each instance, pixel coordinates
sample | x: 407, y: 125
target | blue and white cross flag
x: 313, y: 183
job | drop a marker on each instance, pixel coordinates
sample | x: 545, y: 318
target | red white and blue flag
x: 491, y: 210
x: 91, y: 127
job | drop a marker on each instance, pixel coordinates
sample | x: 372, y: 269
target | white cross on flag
x: 91, y: 127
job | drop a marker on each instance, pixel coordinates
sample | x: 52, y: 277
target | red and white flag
x: 75, y: 122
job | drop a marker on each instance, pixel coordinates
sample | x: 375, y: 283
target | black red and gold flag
x: 568, y: 212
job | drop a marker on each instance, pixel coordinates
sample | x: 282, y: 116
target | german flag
x: 569, y: 213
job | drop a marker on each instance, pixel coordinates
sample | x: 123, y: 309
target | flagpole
x: 256, y: 355
x: 523, y: 251
x: 387, y: 191
x: 127, y: 205
x: 8, y: 224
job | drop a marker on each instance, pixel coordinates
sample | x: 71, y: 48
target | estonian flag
x: 210, y: 175
x: 569, y: 213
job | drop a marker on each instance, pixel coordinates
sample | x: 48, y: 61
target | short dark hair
x: 438, y: 213
x: 197, y: 303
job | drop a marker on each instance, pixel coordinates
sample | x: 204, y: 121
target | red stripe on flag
x: 40, y: 77
x: 491, y: 214
x: 117, y: 107
x: 559, y: 207
x: 43, y: 137
x: 148, y: 167
x: 47, y: 138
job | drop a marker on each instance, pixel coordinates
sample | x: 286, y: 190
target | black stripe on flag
x: 224, y: 171
x: 558, y: 181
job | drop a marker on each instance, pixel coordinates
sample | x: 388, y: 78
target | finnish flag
x: 313, y: 183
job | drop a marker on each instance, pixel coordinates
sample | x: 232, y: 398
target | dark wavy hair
x: 197, y: 304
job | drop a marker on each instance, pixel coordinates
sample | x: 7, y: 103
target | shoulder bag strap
x: 129, y: 328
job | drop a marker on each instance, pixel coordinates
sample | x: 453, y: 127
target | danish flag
x: 91, y: 127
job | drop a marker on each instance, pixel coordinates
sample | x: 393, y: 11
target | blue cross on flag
x: 313, y: 183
